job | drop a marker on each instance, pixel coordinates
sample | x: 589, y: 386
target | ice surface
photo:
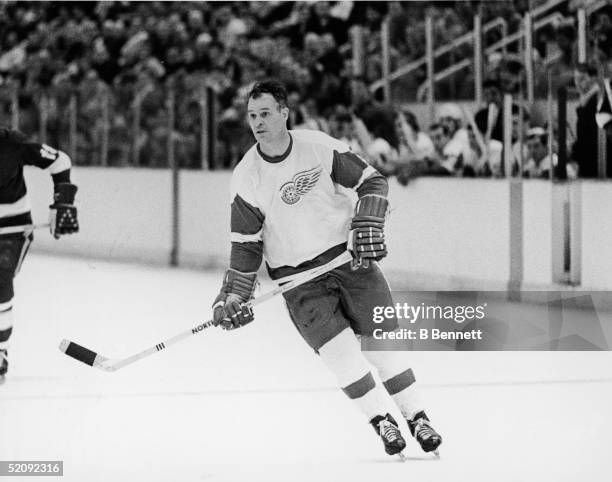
x: 257, y: 404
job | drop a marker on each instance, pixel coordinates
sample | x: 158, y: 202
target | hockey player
x: 292, y: 204
x: 16, y: 152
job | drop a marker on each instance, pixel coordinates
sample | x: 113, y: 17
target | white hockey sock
x: 6, y: 323
x: 343, y: 356
x: 398, y: 380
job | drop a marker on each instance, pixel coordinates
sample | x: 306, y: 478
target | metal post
x: 582, y: 37
x: 602, y: 153
x: 172, y: 162
x: 358, y: 54
x: 478, y: 56
x: 15, y: 106
x: 358, y: 50
x: 549, y: 119
x: 105, y: 126
x: 516, y: 208
x: 429, y: 49
x: 44, y: 117
x: 386, y: 59
x: 136, y: 130
x: 205, y: 161
x: 507, y: 120
x: 211, y: 127
x: 72, y: 126
x: 528, y: 54
x: 561, y: 169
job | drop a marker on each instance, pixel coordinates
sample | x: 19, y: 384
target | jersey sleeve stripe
x: 62, y: 163
x: 367, y: 172
x: 246, y: 238
x: 246, y: 219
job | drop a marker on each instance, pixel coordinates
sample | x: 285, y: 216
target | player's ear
x: 285, y: 112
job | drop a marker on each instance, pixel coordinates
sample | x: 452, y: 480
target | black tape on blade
x: 81, y: 353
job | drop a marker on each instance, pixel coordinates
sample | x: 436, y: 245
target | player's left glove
x: 63, y: 212
x: 230, y: 309
x: 367, y: 237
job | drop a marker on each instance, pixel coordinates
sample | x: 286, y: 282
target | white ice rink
x: 258, y: 405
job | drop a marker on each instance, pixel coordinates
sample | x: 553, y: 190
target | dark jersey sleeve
x: 247, y: 246
x: 46, y: 157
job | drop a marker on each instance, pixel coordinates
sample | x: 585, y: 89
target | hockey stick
x: 23, y: 228
x: 96, y: 360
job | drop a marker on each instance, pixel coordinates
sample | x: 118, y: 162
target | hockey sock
x: 343, y: 356
x: 6, y: 323
x: 398, y: 380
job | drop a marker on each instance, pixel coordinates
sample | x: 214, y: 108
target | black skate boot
x: 391, y: 436
x: 3, y: 365
x: 421, y: 429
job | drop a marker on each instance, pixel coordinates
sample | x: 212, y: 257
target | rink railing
x: 456, y: 233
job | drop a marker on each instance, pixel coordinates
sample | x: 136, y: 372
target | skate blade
x: 436, y: 453
x: 402, y: 457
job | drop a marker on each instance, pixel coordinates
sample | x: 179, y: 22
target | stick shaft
x: 22, y: 228
x: 113, y: 365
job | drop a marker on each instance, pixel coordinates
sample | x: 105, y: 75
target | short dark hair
x: 273, y: 87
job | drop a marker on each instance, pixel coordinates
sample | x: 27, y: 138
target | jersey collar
x: 276, y: 159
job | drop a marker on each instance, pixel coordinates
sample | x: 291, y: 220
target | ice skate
x: 3, y: 365
x: 391, y: 436
x: 422, y: 431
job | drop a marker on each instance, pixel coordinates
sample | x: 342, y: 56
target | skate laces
x: 388, y: 431
x: 422, y: 429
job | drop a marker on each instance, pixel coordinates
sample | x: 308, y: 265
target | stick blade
x: 78, y: 352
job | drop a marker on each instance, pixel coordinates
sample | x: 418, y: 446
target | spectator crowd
x: 120, y: 60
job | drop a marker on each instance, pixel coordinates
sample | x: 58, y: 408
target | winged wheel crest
x: 292, y: 191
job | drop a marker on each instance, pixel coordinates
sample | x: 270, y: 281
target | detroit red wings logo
x: 302, y: 183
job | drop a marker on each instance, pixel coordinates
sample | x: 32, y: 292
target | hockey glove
x: 367, y: 238
x: 230, y: 309
x: 63, y: 213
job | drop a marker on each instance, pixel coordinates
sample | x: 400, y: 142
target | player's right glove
x: 230, y: 309
x: 367, y: 237
x: 63, y: 212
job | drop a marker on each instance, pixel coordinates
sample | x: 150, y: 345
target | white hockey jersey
x: 299, y: 205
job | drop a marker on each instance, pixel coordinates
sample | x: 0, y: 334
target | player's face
x: 267, y: 119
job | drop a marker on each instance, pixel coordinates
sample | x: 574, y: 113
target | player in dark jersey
x: 15, y: 153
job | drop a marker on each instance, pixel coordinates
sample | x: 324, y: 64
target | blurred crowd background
x: 94, y: 78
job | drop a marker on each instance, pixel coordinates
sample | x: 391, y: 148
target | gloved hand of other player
x: 63, y: 213
x: 230, y: 308
x: 367, y: 237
